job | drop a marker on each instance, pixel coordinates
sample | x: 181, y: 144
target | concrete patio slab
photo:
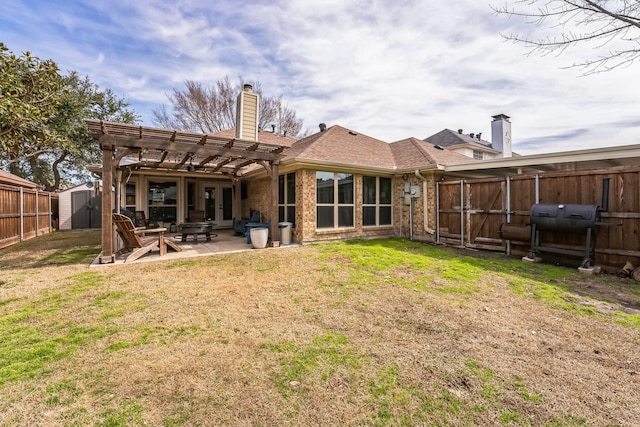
x: 222, y: 241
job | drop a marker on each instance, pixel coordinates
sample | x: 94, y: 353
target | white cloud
x: 389, y: 69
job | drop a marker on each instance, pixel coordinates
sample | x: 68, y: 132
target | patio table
x: 194, y: 229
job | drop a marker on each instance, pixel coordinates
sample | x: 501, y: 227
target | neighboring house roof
x: 338, y: 145
x: 592, y: 158
x: 11, y: 179
x: 263, y: 136
x: 448, y: 138
x: 412, y: 153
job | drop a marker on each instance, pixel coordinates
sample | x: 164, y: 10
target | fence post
x: 37, y: 212
x: 50, y: 216
x: 462, y: 213
x: 508, y: 247
x: 21, y: 214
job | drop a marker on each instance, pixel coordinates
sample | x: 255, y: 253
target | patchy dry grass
x: 381, y: 332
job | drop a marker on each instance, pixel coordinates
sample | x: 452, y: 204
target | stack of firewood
x: 630, y: 271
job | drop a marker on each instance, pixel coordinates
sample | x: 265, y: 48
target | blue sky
x: 389, y: 69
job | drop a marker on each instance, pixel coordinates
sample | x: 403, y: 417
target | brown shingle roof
x: 344, y: 146
x: 263, y: 136
x: 412, y: 153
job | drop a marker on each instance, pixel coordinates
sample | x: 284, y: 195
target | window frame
x: 336, y: 205
x: 478, y: 155
x: 162, y: 206
x: 287, y: 207
x: 377, y: 205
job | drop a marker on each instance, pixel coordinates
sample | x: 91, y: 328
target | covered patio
x: 130, y: 147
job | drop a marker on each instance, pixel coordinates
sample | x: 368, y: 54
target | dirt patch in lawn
x: 606, y: 292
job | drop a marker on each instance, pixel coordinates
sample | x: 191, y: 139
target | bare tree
x: 610, y: 27
x: 209, y: 109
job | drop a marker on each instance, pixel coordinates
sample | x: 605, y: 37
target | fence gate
x: 485, y: 211
x: 86, y: 210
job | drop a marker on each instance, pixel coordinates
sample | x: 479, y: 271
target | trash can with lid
x: 285, y: 232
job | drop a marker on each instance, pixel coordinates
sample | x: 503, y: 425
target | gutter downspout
x: 425, y: 201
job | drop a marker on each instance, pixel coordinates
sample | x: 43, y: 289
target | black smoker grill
x: 567, y: 218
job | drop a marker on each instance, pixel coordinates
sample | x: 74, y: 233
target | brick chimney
x: 501, y: 134
x: 247, y: 114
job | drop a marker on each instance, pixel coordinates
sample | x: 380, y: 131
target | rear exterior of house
x: 339, y: 184
x: 334, y: 184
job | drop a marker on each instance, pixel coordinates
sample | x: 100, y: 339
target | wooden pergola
x: 175, y: 151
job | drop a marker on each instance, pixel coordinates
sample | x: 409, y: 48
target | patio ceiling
x: 142, y: 147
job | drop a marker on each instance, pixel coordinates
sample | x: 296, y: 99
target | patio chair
x: 139, y: 240
x: 141, y: 219
x: 240, y: 226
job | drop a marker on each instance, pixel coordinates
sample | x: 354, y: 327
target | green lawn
x: 365, y: 332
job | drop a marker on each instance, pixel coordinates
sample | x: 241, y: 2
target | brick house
x: 340, y: 184
x: 334, y: 184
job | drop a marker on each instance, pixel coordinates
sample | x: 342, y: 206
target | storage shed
x: 81, y: 207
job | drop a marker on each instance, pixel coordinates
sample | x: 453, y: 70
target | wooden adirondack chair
x: 139, y: 241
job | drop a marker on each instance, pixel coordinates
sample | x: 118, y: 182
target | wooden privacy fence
x: 25, y: 213
x: 470, y: 212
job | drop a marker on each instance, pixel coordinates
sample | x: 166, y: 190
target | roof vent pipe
x: 323, y: 127
x: 460, y: 131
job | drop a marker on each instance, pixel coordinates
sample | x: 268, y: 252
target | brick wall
x: 259, y: 197
x: 306, y: 208
x: 403, y: 221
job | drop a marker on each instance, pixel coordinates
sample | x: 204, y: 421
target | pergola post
x: 275, y: 229
x: 107, y: 229
x: 237, y: 200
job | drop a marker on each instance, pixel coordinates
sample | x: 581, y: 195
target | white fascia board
x: 619, y: 152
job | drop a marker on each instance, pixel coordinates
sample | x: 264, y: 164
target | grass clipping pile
x: 383, y: 332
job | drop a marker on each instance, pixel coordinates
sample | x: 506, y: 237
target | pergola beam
x: 185, y: 147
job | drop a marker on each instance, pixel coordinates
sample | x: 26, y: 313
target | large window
x: 376, y: 201
x: 287, y: 198
x: 162, y: 199
x: 334, y: 200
